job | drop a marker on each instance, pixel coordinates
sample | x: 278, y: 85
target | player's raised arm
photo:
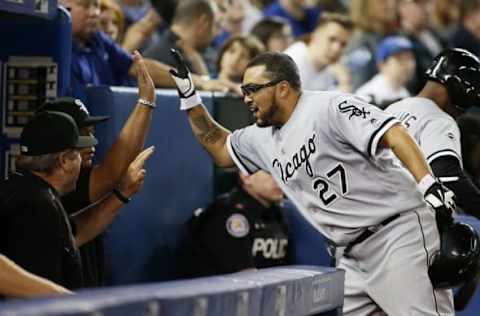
x: 209, y: 133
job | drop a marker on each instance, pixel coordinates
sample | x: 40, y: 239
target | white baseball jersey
x: 327, y: 160
x: 435, y: 131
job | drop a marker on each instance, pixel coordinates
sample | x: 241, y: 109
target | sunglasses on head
x: 250, y: 88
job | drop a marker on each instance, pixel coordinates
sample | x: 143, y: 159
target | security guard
x: 242, y: 229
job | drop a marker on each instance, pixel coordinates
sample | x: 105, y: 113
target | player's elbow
x: 223, y: 162
x: 222, y: 159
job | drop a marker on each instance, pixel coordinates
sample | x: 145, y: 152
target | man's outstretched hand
x: 132, y: 181
x: 146, y: 88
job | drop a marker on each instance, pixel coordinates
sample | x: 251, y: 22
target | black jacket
x: 35, y: 231
x: 234, y: 233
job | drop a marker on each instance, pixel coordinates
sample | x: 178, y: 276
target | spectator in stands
x: 111, y: 19
x: 253, y: 14
x: 414, y: 23
x: 301, y: 16
x: 17, y: 282
x: 192, y: 17
x: 98, y: 60
x: 396, y: 62
x: 136, y: 36
x: 274, y: 32
x: 104, y: 188
x: 467, y: 35
x: 139, y: 34
x: 318, y: 60
x: 231, y: 22
x: 373, y: 20
x: 134, y: 10
x: 243, y: 229
x: 445, y: 17
x: 235, y: 55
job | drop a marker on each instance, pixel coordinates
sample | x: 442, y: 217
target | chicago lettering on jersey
x: 270, y: 248
x: 352, y: 110
x: 298, y: 159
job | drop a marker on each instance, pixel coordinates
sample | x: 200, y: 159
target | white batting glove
x: 185, y: 87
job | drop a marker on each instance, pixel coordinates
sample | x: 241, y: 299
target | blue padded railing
x: 292, y: 290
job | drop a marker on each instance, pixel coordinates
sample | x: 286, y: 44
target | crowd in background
x: 379, y: 49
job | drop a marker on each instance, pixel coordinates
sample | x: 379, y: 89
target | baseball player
x: 453, y: 86
x: 335, y: 156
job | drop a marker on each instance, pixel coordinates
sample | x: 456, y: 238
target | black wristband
x: 120, y: 196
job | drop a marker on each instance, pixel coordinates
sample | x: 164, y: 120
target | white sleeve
x: 440, y: 137
x: 243, y: 148
x: 358, y: 123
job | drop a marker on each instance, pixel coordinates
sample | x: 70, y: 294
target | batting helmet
x: 457, y: 260
x: 459, y: 71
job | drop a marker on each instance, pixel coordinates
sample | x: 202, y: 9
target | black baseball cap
x: 49, y: 132
x: 75, y: 108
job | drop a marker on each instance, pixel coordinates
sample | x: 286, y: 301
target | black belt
x: 368, y: 232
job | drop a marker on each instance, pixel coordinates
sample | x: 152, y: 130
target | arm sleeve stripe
x: 444, y: 152
x: 235, y: 157
x: 375, y: 138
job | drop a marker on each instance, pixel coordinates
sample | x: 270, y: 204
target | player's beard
x: 267, y: 119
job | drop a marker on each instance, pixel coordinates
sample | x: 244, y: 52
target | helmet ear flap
x: 455, y: 88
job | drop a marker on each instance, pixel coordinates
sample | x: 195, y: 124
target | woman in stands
x: 234, y: 56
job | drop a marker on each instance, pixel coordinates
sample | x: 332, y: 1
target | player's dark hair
x: 189, y: 10
x: 469, y: 125
x: 278, y: 66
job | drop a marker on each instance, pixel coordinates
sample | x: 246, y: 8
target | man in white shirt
x: 318, y: 60
x: 396, y: 63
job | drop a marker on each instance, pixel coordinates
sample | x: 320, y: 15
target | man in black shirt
x: 114, y: 181
x: 34, y: 229
x: 242, y: 229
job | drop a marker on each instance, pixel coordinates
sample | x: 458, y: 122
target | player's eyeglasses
x: 250, y: 88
